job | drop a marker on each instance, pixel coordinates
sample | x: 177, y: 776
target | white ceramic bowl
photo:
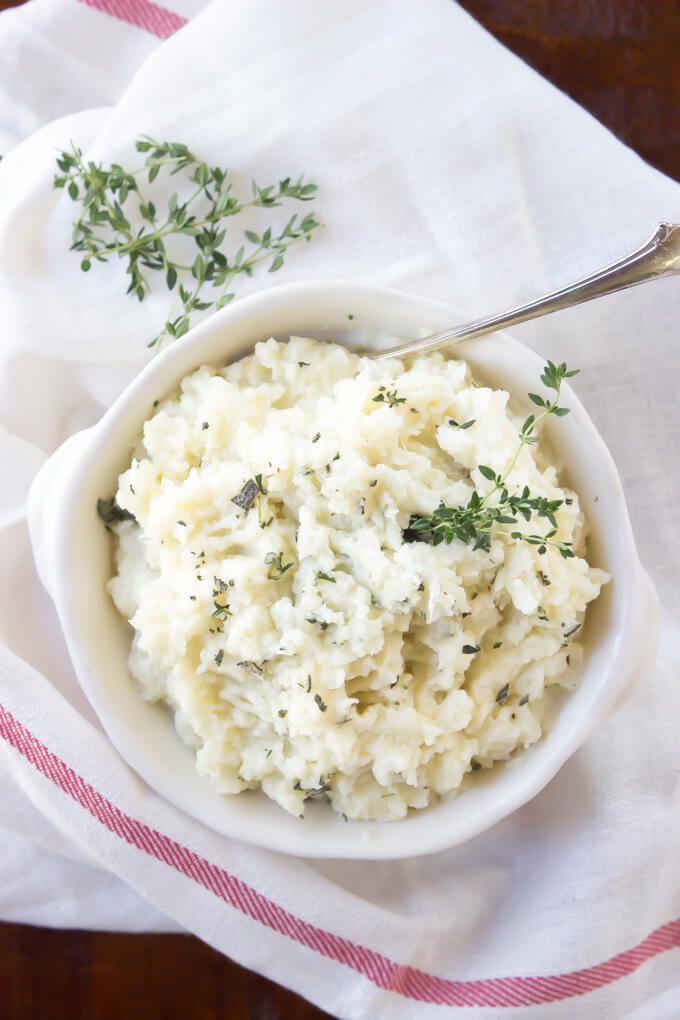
x: 73, y: 553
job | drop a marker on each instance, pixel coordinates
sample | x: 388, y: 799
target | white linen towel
x: 448, y: 168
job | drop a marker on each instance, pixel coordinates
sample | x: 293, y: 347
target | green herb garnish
x: 391, y: 397
x: 252, y: 666
x: 220, y: 612
x: 251, y: 489
x: 320, y: 576
x: 464, y: 426
x: 502, y: 695
x: 277, y: 568
x: 118, y: 219
x: 320, y: 702
x: 324, y: 624
x: 478, y: 521
x: 110, y: 512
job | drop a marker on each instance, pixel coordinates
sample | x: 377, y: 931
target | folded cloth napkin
x: 447, y: 168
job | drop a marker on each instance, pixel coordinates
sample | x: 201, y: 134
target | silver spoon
x: 660, y: 256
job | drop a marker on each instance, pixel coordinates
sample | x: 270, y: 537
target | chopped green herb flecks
x: 248, y: 494
x: 110, y: 512
x: 221, y: 610
x: 391, y: 397
x: 502, y: 695
x: 323, y: 624
x: 246, y: 497
x: 252, y: 666
x: 277, y: 568
x: 465, y: 425
x: 320, y: 702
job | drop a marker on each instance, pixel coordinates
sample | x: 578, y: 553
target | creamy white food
x: 303, y: 645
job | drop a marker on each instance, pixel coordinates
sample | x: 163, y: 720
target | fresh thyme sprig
x: 111, y: 224
x: 477, y: 521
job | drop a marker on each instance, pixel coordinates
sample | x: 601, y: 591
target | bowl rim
x: 53, y: 548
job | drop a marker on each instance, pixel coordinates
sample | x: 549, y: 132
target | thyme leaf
x: 277, y: 568
x: 119, y: 218
x: 110, y: 512
x: 391, y: 397
x: 480, y: 519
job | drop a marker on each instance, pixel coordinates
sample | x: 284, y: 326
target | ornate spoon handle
x: 659, y: 256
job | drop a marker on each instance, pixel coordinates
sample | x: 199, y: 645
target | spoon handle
x: 659, y: 256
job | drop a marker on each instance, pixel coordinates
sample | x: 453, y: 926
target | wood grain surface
x: 619, y: 59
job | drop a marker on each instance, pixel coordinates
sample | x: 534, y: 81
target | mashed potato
x: 303, y: 645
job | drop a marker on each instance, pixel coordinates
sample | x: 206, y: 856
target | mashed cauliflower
x: 303, y: 645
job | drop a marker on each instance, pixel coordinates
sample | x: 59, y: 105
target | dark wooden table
x: 619, y: 59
